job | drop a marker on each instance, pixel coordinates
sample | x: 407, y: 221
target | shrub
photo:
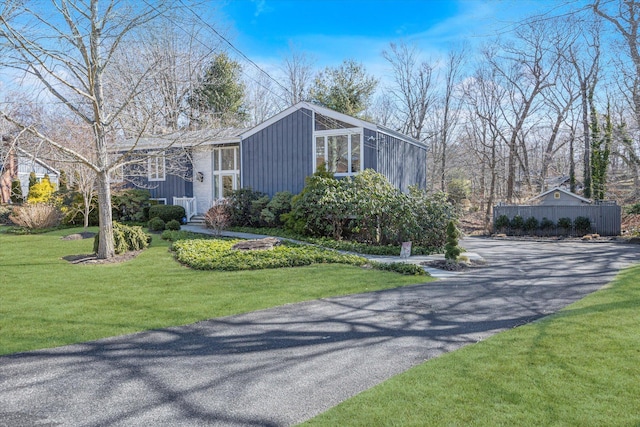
x: 502, y: 223
x: 130, y: 205
x: 35, y: 215
x: 564, y: 223
x: 5, y: 213
x: 16, y: 191
x: 74, y: 209
x: 126, y: 238
x: 280, y: 204
x: 218, y: 217
x: 633, y: 209
x: 582, y: 224
x: 167, y: 212
x: 451, y: 249
x: 172, y: 225
x: 41, y: 192
x: 400, y: 267
x: 245, y: 207
x: 546, y: 225
x: 156, y: 224
x: 531, y: 225
x: 516, y: 223
x: 173, y: 235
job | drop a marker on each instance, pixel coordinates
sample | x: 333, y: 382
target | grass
x: 46, y: 301
x: 580, y: 367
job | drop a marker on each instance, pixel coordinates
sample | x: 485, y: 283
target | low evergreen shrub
x: 502, y: 223
x: 565, y: 223
x: 546, y: 225
x: 126, y: 238
x: 167, y: 212
x: 531, y: 225
x: 172, y: 225
x: 451, y: 249
x: 582, y: 224
x: 5, y: 213
x: 156, y: 224
x: 399, y: 267
x: 130, y: 204
x: 516, y: 223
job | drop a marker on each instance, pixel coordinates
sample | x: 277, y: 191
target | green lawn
x: 46, y: 301
x: 580, y: 367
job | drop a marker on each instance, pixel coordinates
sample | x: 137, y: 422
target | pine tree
x: 16, y: 191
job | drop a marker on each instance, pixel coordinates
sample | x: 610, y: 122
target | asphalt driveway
x: 282, y: 366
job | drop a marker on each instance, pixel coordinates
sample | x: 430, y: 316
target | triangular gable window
x: 328, y: 123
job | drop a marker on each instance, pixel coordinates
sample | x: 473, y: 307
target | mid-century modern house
x: 278, y: 154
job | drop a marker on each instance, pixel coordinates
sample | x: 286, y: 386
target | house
x: 19, y: 164
x: 278, y: 154
x: 558, y: 196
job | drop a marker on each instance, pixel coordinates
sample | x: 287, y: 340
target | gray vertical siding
x: 172, y: 186
x: 404, y: 164
x: 370, y: 150
x: 279, y: 157
x: 605, y: 219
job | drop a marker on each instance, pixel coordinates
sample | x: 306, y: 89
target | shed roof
x: 562, y: 190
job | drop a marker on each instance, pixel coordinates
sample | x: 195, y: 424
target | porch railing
x: 189, y: 204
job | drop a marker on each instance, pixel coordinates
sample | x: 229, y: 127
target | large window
x: 339, y: 151
x: 157, y: 168
x: 226, y: 171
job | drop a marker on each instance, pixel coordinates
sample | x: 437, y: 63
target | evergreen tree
x: 221, y: 93
x: 63, y: 182
x: 32, y: 180
x: 451, y: 249
x: 346, y: 89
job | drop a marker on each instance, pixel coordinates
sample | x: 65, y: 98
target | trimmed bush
x: 546, y: 225
x: 451, y: 250
x: 516, y: 223
x: 126, y: 238
x: 502, y: 223
x: 400, y: 268
x: 531, y: 225
x: 582, y: 224
x: 172, y: 225
x: 41, y: 192
x: 167, y: 212
x: 156, y: 224
x: 564, y: 223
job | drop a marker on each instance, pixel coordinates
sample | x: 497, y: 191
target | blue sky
x: 334, y: 30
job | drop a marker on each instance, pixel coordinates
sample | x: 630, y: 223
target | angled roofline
x: 334, y: 115
x: 562, y: 190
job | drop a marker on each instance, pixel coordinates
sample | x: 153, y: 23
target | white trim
x: 153, y: 162
x: 562, y: 190
x: 349, y: 133
x: 159, y: 199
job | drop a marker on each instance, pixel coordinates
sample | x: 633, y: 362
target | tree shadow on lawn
x: 284, y: 365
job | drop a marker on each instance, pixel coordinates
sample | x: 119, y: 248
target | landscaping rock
x: 79, y: 236
x: 267, y: 243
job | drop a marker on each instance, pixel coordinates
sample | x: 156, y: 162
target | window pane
x: 227, y: 185
x: 355, y: 153
x: 320, y: 154
x: 227, y: 159
x: 338, y: 155
x: 216, y: 156
x: 216, y: 187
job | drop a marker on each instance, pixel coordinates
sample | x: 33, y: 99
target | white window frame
x: 325, y: 134
x: 157, y: 164
x: 161, y: 200
x: 219, y: 173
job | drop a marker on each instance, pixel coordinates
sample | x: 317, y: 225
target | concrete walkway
x: 414, y: 259
x: 281, y: 366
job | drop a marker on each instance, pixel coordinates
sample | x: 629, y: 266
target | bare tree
x: 412, y: 90
x: 71, y: 48
x: 298, y: 73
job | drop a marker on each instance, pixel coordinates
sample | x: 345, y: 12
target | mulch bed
x: 93, y: 259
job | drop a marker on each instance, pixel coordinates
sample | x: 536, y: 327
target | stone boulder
x: 267, y: 243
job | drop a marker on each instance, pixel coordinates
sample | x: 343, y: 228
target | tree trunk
x: 106, y: 247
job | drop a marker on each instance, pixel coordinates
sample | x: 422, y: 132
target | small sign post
x: 405, y: 251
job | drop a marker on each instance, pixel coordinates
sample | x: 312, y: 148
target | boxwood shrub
x: 167, y: 212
